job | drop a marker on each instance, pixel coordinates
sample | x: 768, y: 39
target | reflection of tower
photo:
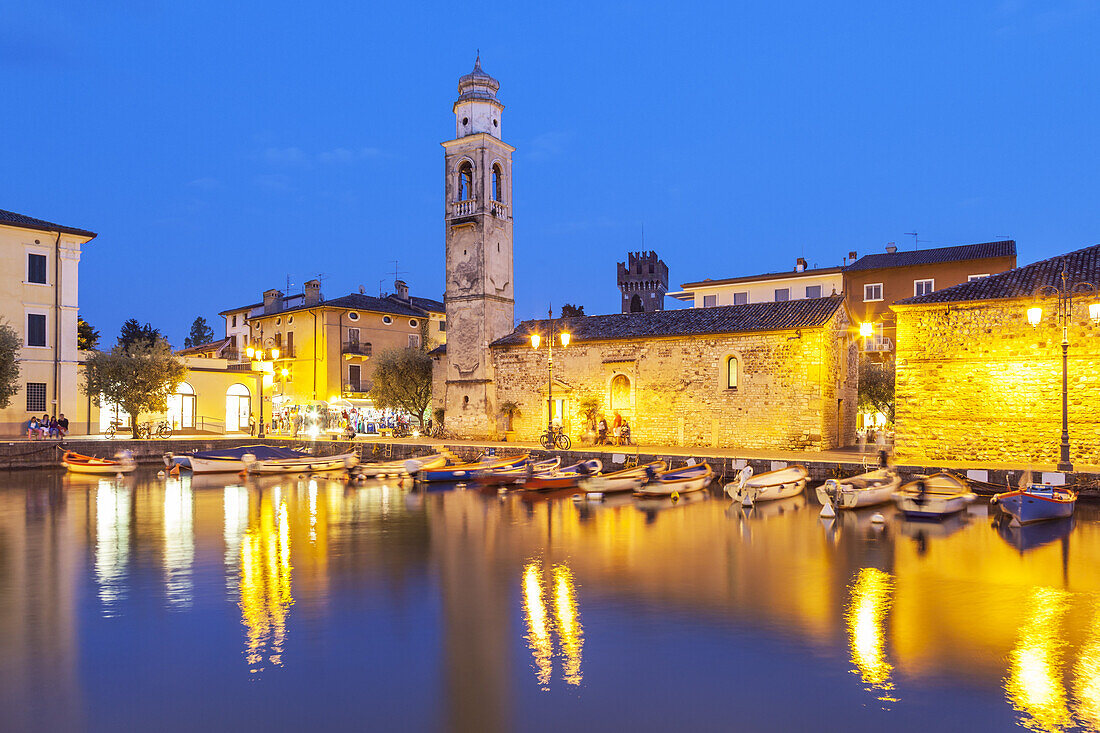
x: 478, y: 213
x: 643, y: 281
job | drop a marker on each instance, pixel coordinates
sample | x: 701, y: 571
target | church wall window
x: 731, y: 371
x: 498, y: 183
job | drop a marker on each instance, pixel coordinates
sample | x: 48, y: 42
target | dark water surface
x: 304, y: 604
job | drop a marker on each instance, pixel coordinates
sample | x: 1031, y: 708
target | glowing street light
x: 536, y: 339
x: 866, y: 329
x: 1034, y: 315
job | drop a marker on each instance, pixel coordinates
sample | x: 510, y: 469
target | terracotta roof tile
x: 22, y: 221
x: 961, y: 253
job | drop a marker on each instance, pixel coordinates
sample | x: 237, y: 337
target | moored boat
x: 866, y: 489
x: 564, y: 478
x: 303, y: 464
x: 677, y: 481
x: 79, y: 463
x: 1037, y: 503
x: 782, y: 483
x: 467, y: 471
x: 934, y: 497
x: 513, y: 474
x: 407, y: 467
x: 231, y: 460
x: 628, y: 479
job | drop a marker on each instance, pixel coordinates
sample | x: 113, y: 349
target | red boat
x: 566, y: 478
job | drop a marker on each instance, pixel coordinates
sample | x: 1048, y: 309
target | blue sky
x: 218, y: 148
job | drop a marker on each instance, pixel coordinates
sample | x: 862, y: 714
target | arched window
x: 731, y: 372
x: 620, y: 392
x: 498, y: 183
x: 465, y: 182
x: 635, y: 304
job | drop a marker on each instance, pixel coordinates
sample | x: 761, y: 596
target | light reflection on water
x: 297, y: 576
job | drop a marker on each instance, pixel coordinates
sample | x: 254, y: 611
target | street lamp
x: 536, y: 339
x: 1063, y: 292
x: 266, y: 367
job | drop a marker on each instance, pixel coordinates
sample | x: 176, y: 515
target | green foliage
x: 10, y: 343
x: 876, y: 387
x: 572, y: 311
x: 138, y: 379
x: 201, y: 333
x: 87, y: 338
x: 403, y: 381
x: 590, y: 406
x: 133, y: 333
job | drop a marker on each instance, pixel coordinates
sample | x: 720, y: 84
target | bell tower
x: 479, y: 299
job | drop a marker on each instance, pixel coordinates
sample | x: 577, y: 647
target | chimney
x: 273, y: 301
x: 312, y: 292
x: 800, y: 264
x: 852, y: 256
x: 401, y: 289
x: 891, y: 248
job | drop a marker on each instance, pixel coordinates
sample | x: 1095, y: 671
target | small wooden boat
x: 514, y: 474
x: 79, y: 463
x: 407, y: 467
x: 303, y: 464
x: 866, y: 489
x: 231, y: 460
x: 1037, y: 503
x: 769, y: 486
x: 677, y: 481
x: 934, y: 497
x: 628, y: 479
x: 564, y: 478
x: 467, y: 471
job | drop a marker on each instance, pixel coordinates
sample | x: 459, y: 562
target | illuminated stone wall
x: 976, y: 382
x: 795, y: 387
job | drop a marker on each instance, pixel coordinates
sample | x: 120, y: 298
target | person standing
x: 251, y: 424
x: 616, y: 426
x: 601, y: 431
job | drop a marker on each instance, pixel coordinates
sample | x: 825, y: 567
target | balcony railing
x: 356, y: 347
x: 465, y: 208
x: 361, y: 387
x: 879, y: 343
x: 499, y: 209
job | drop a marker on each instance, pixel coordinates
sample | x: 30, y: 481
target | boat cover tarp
x: 262, y: 453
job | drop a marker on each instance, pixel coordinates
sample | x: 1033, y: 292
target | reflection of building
x: 38, y: 298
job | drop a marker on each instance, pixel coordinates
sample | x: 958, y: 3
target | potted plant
x: 509, y: 410
x: 590, y: 407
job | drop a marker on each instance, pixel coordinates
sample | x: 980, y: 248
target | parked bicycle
x: 160, y: 429
x: 555, y: 437
x: 112, y: 429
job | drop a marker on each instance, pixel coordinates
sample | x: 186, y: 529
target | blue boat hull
x: 1029, y: 509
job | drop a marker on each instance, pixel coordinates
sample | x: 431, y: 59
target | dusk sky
x: 219, y: 148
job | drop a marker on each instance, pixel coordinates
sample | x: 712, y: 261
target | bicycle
x: 112, y: 429
x: 555, y: 437
x: 148, y: 430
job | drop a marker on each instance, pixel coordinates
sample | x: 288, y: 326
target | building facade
x: 759, y: 376
x: 479, y: 298
x: 797, y: 284
x: 643, y: 282
x: 975, y: 381
x: 39, y: 263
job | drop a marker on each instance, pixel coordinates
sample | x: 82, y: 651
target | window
x: 972, y: 278
x: 498, y: 184
x: 234, y: 321
x: 353, y: 316
x: 442, y: 325
x: 354, y: 374
x: 36, y: 397
x: 36, y: 329
x: 414, y: 341
x: 387, y: 320
x: 290, y: 344
x: 782, y: 294
x: 290, y: 319
x: 709, y: 301
x: 279, y: 341
x: 413, y: 322
x: 731, y: 372
x: 813, y: 291
x: 740, y: 298
x: 872, y: 291
x: 278, y: 321
x: 636, y: 304
x: 36, y: 268
x: 923, y: 287
x: 365, y: 349
x: 465, y: 182
x: 353, y: 335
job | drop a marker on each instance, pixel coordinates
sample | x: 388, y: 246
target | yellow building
x: 325, y: 347
x: 38, y: 266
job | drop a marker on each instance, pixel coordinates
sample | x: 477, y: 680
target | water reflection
x: 179, y: 542
x: 566, y: 621
x: 1086, y: 677
x: 112, y: 542
x: 538, y: 623
x: 265, y: 595
x: 866, y: 619
x: 1034, y: 683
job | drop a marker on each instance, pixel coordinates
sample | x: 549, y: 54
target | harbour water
x: 214, y: 604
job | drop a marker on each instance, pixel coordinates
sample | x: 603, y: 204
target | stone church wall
x: 976, y: 382
x: 787, y: 395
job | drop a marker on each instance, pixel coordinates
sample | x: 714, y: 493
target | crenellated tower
x: 643, y: 282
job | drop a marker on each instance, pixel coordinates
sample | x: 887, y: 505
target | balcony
x: 878, y: 344
x: 356, y: 347
x: 361, y: 387
x: 465, y: 208
x: 499, y: 209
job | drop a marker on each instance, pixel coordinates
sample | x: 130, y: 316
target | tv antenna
x: 916, y: 239
x: 289, y: 284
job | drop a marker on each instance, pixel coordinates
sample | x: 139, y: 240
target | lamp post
x: 266, y: 368
x: 1063, y: 292
x: 535, y: 341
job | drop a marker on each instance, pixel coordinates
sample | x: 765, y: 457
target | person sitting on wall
x: 624, y: 433
x: 63, y: 425
x: 44, y: 426
x: 32, y: 428
x: 55, y: 432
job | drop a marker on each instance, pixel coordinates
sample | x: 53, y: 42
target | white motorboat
x: 934, y: 497
x: 231, y: 460
x: 866, y: 489
x: 770, y: 486
x: 405, y: 467
x: 305, y: 464
x: 628, y: 479
x: 676, y: 482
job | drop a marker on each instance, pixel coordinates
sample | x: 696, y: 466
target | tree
x: 137, y: 378
x: 403, y: 381
x: 876, y: 387
x: 10, y: 344
x: 590, y: 407
x: 201, y: 334
x: 87, y: 338
x: 572, y: 311
x: 132, y: 333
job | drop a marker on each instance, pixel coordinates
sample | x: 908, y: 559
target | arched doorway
x: 636, y: 304
x: 181, y: 407
x: 620, y: 392
x: 238, y: 406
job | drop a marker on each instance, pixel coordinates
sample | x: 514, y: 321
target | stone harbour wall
x: 976, y: 382
x: 796, y: 389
